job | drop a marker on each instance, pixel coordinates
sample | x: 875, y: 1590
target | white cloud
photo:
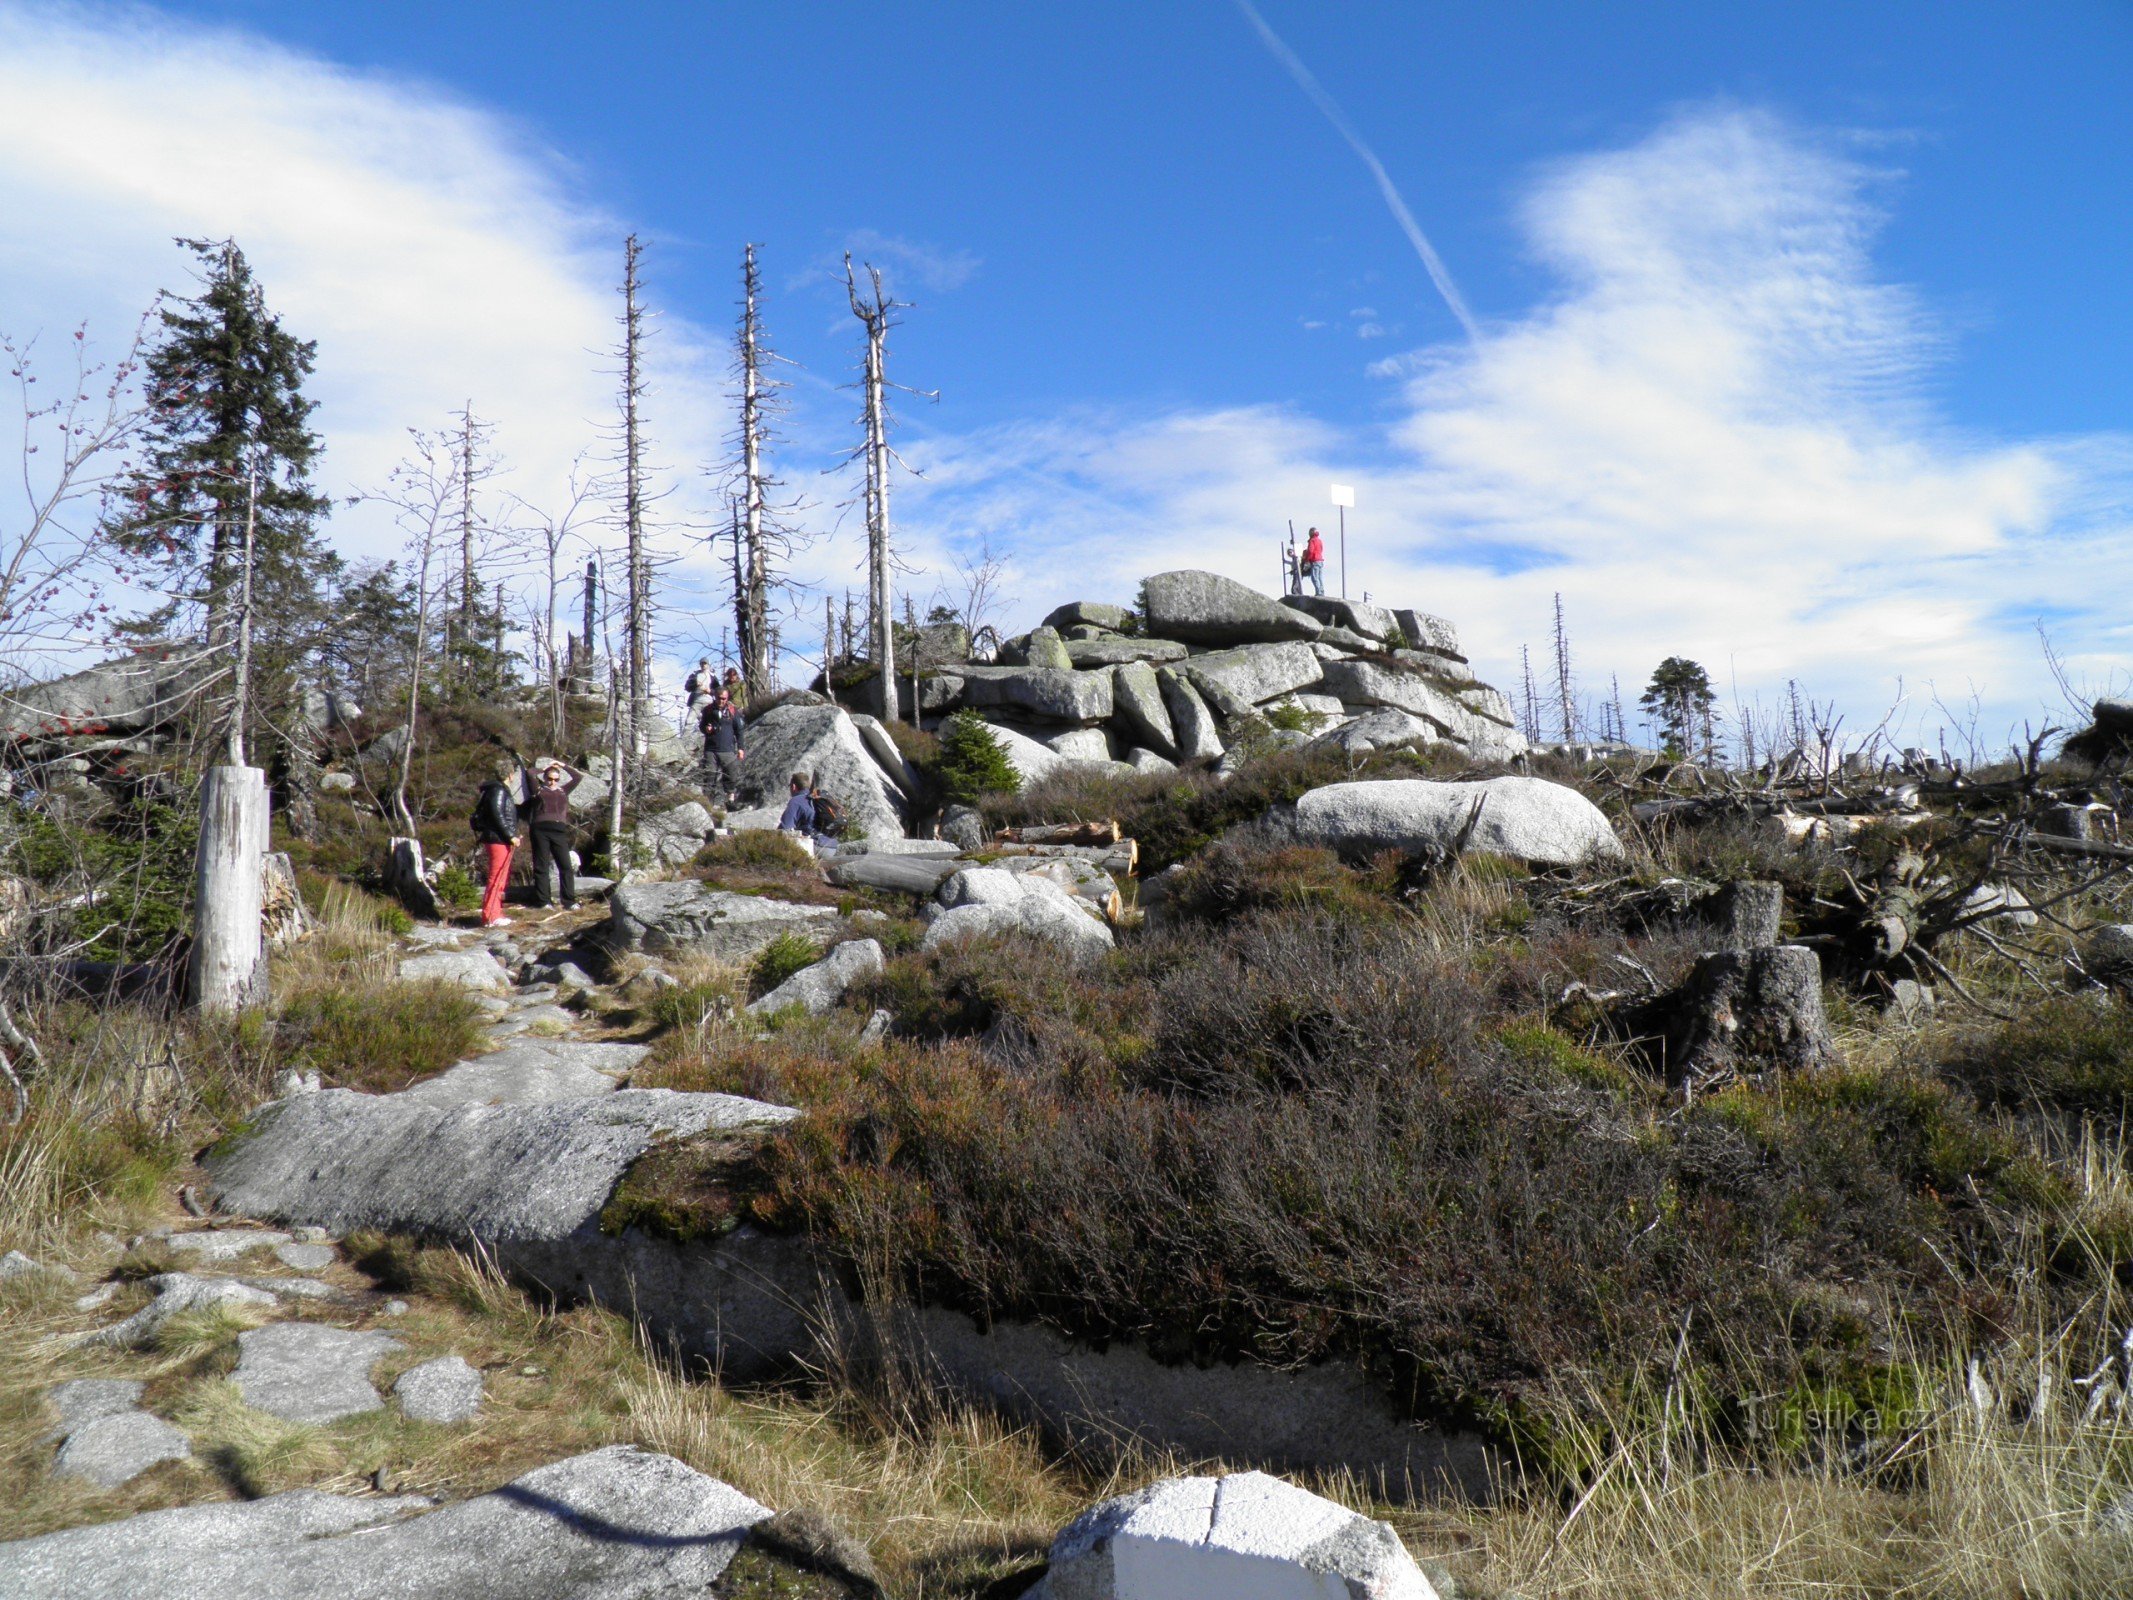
x: 1715, y: 440
x: 434, y: 253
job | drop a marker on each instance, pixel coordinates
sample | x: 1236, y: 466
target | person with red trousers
x: 496, y: 826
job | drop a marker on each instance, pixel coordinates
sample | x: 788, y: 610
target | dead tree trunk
x: 638, y: 576
x: 227, y: 971
x: 875, y: 315
x: 752, y: 590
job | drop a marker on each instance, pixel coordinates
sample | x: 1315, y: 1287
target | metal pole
x: 1344, y: 551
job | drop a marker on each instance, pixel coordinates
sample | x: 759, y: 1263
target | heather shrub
x: 2069, y: 1053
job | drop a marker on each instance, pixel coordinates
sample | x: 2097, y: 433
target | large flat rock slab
x: 309, y: 1372
x: 532, y: 1072
x: 614, y: 1524
x: 342, y: 1160
x: 1207, y: 608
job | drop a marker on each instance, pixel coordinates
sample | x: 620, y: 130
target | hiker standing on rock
x: 547, y: 806
x: 723, y: 749
x: 496, y: 826
x: 1314, y: 562
x: 697, y: 686
x: 736, y: 689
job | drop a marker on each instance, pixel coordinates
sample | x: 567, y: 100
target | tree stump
x: 228, y: 969
x: 1743, y: 1010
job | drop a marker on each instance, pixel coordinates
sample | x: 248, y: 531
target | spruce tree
x: 1680, y: 699
x: 225, y: 382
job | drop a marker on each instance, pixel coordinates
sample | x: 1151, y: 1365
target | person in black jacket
x: 547, y: 805
x: 723, y: 732
x: 496, y: 826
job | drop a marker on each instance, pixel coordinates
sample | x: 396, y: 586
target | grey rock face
x: 1383, y: 729
x: 444, y: 1390
x: 989, y: 901
x: 818, y: 988
x: 1110, y: 652
x: 1091, y: 613
x: 224, y: 1244
x: 1206, y: 608
x: 899, y: 873
x: 615, y: 1524
x: 1343, y: 641
x: 308, y: 1372
x: 1054, y: 693
x: 17, y: 1265
x: 85, y: 1399
x: 964, y: 827
x: 1044, y: 648
x: 1080, y: 744
x: 1243, y: 1534
x: 882, y: 747
x: 1148, y: 761
x: 530, y: 1071
x: 1069, y: 927
x: 664, y: 917
x: 1744, y: 1010
x: 346, y: 1160
x: 823, y: 742
x: 1195, y: 736
x: 1374, y: 623
x: 1528, y: 819
x: 176, y: 1292
x: 1256, y: 673
x: 1138, y: 702
x: 132, y: 695
x: 673, y: 837
x: 116, y: 1449
x: 1032, y: 761
x: 1368, y: 683
x: 471, y: 969
x: 1425, y: 632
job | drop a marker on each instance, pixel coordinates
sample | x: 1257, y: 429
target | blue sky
x: 1801, y: 337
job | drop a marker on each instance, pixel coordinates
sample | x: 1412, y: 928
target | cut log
x: 2079, y: 847
x: 1122, y: 859
x: 919, y: 875
x: 228, y: 968
x: 1066, y: 833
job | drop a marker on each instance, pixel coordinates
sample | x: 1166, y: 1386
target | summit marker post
x: 1343, y: 498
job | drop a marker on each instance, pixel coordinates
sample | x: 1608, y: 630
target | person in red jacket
x: 1314, y: 561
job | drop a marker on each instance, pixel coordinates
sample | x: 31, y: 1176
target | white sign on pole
x: 1344, y: 495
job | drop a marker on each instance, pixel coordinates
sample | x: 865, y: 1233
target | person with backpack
x: 1314, y: 562
x: 495, y: 823
x: 547, y: 805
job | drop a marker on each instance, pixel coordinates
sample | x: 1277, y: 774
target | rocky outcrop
x: 1206, y: 608
x: 1528, y: 819
x: 1244, y: 1533
x: 1194, y: 734
x: 1256, y: 673
x: 1358, y: 617
x: 133, y: 695
x: 822, y: 741
x: 616, y: 1523
x: 1142, y: 715
x: 1056, y: 694
x: 1088, y: 653
x: 672, y: 838
x: 663, y: 918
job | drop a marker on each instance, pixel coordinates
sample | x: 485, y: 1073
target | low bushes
x: 2071, y: 1053
x: 378, y: 1037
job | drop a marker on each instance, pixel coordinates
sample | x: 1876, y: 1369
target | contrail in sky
x: 1438, y: 274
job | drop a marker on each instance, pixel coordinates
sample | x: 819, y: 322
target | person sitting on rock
x: 799, y: 814
x: 547, y: 804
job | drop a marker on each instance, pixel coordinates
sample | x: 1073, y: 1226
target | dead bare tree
x: 876, y: 312
x: 762, y: 535
x: 423, y: 491
x: 637, y: 576
x: 554, y: 528
x: 72, y: 440
x: 1566, y: 695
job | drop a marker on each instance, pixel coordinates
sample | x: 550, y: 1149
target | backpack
x: 495, y: 813
x: 829, y: 816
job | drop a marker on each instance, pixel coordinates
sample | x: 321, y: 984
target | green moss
x: 1535, y: 1044
x: 689, y: 1190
